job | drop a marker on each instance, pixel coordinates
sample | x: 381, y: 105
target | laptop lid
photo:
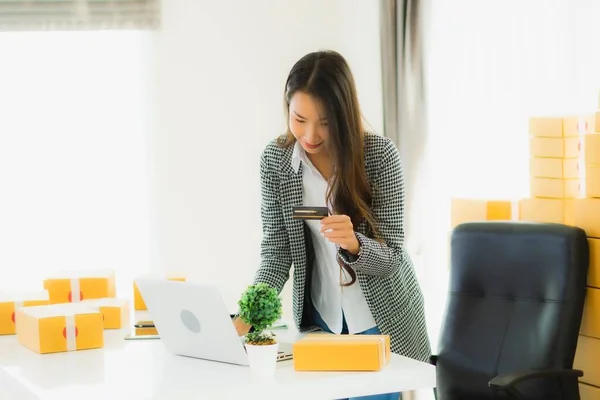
x: 192, y: 320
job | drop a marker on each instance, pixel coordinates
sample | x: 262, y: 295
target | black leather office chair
x: 513, y: 313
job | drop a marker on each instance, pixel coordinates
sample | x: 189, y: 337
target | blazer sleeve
x: 276, y: 258
x: 386, y: 257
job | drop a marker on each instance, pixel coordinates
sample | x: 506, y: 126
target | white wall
x: 222, y: 66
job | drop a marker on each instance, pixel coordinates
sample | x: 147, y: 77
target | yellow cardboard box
x: 556, y: 188
x: 588, y: 392
x: 561, y: 126
x: 592, y: 181
x: 594, y: 268
x: 555, y: 147
x: 138, y: 300
x: 596, y: 122
x: 546, y: 126
x: 74, y: 286
x: 557, y: 211
x: 578, y: 124
x: 586, y: 359
x: 586, y: 215
x: 473, y: 210
x: 10, y: 302
x: 115, y: 312
x: 558, y: 168
x: 327, y: 352
x: 592, y: 148
x: 590, y: 323
x: 60, y: 327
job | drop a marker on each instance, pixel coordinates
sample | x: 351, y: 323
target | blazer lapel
x: 291, y: 195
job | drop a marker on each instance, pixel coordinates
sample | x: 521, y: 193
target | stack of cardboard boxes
x: 586, y: 215
x: 72, y: 311
x: 565, y: 188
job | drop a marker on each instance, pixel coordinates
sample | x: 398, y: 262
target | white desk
x: 143, y: 370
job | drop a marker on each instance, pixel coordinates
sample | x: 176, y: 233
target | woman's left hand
x: 339, y: 230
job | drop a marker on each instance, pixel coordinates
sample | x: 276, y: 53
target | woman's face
x: 308, y: 123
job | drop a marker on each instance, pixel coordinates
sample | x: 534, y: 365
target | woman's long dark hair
x: 326, y: 76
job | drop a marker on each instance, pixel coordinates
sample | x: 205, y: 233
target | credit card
x: 309, y: 212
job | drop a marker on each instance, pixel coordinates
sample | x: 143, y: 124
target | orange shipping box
x: 74, y: 286
x: 10, y: 302
x: 559, y: 168
x: 586, y: 215
x: 60, y: 327
x: 592, y: 148
x: 115, y: 312
x: 138, y: 300
x: 473, y: 210
x: 328, y: 352
x: 555, y: 147
x: 556, y: 188
x: 557, y: 211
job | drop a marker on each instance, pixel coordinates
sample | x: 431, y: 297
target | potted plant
x: 260, y: 307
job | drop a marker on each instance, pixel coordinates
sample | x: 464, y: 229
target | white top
x: 144, y: 370
x: 328, y: 295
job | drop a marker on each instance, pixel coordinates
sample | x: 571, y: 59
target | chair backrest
x: 515, y: 303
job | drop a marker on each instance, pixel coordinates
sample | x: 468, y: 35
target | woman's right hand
x: 241, y: 327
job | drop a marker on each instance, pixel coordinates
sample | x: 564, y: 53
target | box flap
x: 105, y: 302
x: 78, y: 274
x: 59, y: 310
x: 14, y: 296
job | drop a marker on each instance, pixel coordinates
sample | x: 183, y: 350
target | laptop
x: 192, y: 320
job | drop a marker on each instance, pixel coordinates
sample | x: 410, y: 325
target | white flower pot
x: 262, y: 359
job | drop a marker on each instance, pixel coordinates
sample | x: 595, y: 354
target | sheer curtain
x: 73, y: 156
x: 489, y: 67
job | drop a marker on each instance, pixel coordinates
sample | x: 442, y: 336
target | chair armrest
x: 433, y: 360
x: 508, y: 380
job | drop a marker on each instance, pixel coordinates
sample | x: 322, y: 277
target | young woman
x: 352, y: 274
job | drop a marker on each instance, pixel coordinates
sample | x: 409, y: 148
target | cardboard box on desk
x: 138, y: 300
x: 74, y: 286
x: 115, y: 312
x: 60, y: 327
x: 327, y: 352
x: 11, y: 302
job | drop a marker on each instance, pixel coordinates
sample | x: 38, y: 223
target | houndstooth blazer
x: 384, y: 270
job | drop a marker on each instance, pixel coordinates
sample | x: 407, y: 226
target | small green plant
x: 260, y: 307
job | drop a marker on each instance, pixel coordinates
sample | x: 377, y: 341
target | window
x: 492, y: 65
x: 73, y: 155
